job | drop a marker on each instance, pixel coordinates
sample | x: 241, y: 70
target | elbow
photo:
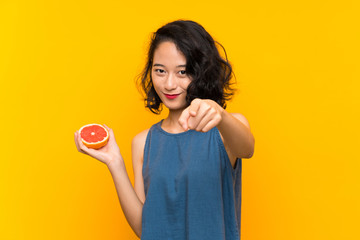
x: 252, y: 146
x: 247, y: 154
x: 138, y: 233
x: 250, y: 151
x: 250, y: 154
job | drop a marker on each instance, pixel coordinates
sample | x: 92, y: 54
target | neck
x: 171, y: 124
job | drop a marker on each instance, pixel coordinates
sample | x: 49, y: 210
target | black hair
x: 211, y: 74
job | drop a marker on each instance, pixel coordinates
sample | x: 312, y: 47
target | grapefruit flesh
x: 94, y: 135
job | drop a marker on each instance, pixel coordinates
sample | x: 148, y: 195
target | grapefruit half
x: 94, y: 135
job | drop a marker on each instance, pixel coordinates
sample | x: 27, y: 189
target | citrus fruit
x: 94, y: 135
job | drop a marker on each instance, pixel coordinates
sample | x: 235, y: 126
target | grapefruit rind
x: 98, y: 144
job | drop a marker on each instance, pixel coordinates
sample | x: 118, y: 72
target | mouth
x: 171, y: 96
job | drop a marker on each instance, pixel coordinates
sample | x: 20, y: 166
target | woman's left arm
x: 235, y: 130
x: 204, y: 114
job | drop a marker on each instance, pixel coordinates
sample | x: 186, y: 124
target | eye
x: 159, y: 70
x: 182, y: 72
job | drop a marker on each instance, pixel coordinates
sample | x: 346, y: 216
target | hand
x: 108, y: 154
x: 202, y: 115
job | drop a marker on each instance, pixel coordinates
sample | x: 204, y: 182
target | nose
x: 170, y: 82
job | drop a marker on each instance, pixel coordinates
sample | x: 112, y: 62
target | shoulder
x: 137, y: 147
x: 138, y: 142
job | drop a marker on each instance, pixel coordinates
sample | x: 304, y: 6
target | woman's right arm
x: 131, y: 202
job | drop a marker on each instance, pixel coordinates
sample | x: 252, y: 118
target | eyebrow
x: 160, y: 65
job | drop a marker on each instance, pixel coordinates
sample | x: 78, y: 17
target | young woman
x: 187, y: 167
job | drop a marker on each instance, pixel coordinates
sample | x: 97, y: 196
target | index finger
x: 194, y: 106
x: 184, y: 117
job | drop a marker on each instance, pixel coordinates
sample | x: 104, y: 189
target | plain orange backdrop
x: 64, y: 64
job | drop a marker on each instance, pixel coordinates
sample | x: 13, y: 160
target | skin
x: 169, y: 77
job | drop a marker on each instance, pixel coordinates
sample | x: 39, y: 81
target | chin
x: 175, y: 107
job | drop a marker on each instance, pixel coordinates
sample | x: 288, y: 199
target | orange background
x: 64, y: 64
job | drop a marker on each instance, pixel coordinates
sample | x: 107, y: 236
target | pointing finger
x: 194, y: 106
x: 184, y: 118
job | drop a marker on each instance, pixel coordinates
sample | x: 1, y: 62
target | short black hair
x: 211, y: 74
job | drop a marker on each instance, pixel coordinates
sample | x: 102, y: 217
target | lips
x: 171, y: 96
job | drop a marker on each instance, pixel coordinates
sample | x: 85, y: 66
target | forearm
x: 129, y: 201
x: 237, y: 136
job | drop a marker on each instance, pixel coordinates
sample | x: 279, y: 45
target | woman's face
x: 169, y: 75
